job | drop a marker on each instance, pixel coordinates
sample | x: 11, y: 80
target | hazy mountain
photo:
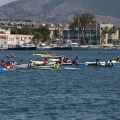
x: 61, y: 10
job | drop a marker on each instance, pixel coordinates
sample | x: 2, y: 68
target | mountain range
x: 105, y: 11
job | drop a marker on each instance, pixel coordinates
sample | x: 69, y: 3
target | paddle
x: 19, y: 61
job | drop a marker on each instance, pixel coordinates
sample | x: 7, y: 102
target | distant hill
x: 61, y: 10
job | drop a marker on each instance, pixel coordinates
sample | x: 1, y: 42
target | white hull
x: 101, y: 63
x: 114, y: 62
x: 21, y: 66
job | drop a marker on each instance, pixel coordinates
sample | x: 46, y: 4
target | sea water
x: 75, y: 93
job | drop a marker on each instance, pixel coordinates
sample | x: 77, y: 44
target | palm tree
x: 111, y: 31
x: 104, y: 33
x: 99, y: 36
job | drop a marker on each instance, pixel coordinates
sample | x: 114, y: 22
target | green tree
x: 42, y: 33
x: 26, y: 30
x: 45, y: 32
x: 38, y: 37
x: 80, y: 21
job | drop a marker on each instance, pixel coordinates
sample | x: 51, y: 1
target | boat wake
x: 70, y: 68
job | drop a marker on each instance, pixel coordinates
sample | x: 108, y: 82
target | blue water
x: 84, y: 93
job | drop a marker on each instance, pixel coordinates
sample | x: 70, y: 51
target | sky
x: 2, y: 2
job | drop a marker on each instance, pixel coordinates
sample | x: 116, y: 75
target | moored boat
x: 61, y: 48
x: 23, y: 47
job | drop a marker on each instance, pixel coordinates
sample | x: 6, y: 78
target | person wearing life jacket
x: 74, y: 61
x: 45, y: 61
x: 56, y: 65
x: 60, y: 60
x: 11, y: 66
x: 31, y: 64
x: 8, y: 66
x: 66, y: 60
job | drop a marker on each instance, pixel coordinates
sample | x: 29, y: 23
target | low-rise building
x: 7, y: 39
x: 5, y: 23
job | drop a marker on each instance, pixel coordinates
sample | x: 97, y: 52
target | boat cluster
x: 51, y: 61
x: 7, y: 65
x: 56, y: 61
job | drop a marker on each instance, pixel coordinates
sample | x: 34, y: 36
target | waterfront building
x: 82, y: 36
x: 18, y: 39
x: 11, y: 40
x: 109, y: 38
x: 4, y: 36
x: 93, y: 35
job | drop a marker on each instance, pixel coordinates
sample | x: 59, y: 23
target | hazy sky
x: 2, y: 2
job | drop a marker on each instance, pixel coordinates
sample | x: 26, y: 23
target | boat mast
x: 82, y: 34
x: 59, y: 33
x: 78, y: 30
x: 79, y: 26
x: 96, y: 32
x: 90, y: 35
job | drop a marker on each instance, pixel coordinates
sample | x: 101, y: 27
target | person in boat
x: 14, y: 62
x: 97, y: 63
x: 74, y: 61
x: 65, y: 60
x: 110, y: 63
x: 48, y: 59
x: 56, y: 65
x: 3, y: 63
x: 12, y: 55
x: 60, y: 60
x: 45, y: 62
x: 9, y: 66
x: 118, y: 59
x: 7, y: 56
x: 99, y: 54
x: 31, y: 64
